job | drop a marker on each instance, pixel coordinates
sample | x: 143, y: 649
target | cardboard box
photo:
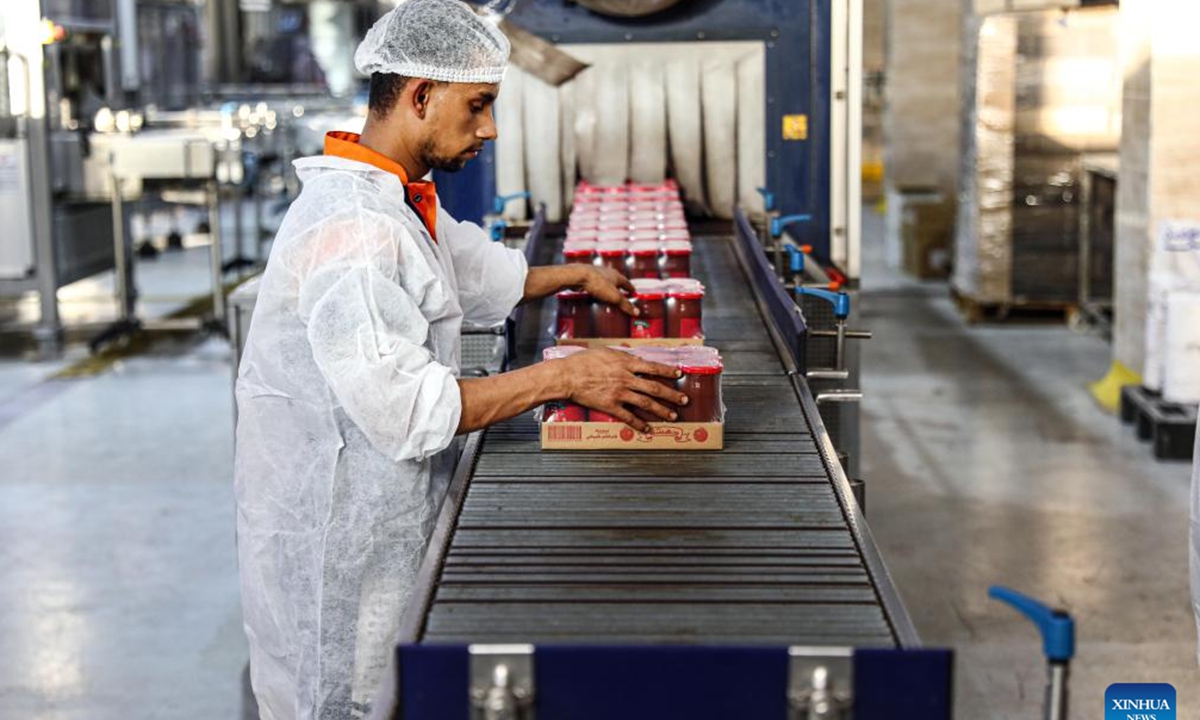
x: 619, y: 436
x: 591, y: 343
x: 927, y: 233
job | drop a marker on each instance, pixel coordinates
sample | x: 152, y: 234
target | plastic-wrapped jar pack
x: 634, y: 257
x: 701, y: 383
x: 666, y: 309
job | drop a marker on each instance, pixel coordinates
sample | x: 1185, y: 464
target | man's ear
x: 422, y: 93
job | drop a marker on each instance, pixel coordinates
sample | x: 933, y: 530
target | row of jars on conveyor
x: 666, y: 309
x: 637, y: 259
x: 700, y: 382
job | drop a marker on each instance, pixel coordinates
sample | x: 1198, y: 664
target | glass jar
x: 609, y: 321
x: 651, y: 303
x: 579, y: 251
x: 574, y: 318
x: 684, y: 319
x: 662, y: 356
x: 564, y: 411
x: 614, y: 255
x: 701, y: 382
x: 676, y: 261
x: 644, y: 260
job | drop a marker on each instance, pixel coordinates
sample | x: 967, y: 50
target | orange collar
x: 422, y: 195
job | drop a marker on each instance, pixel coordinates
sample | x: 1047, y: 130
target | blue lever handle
x: 768, y: 198
x: 779, y: 223
x: 795, y: 259
x: 1056, y: 626
x: 839, y: 300
x: 497, y: 230
x: 500, y: 201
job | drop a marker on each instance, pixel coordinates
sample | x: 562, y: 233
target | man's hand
x: 607, y: 380
x: 604, y: 284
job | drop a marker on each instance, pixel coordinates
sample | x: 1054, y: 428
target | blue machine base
x: 698, y: 683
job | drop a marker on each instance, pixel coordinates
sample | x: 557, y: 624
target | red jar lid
x: 612, y: 250
x: 647, y: 285
x: 702, y: 369
x: 677, y: 247
x: 651, y: 295
x: 572, y: 295
x: 642, y: 248
x: 685, y: 289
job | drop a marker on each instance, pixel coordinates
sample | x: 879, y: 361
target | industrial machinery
x: 81, y: 153
x: 736, y: 584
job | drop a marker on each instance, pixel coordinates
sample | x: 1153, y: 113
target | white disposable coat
x: 347, y: 403
x: 1194, y: 540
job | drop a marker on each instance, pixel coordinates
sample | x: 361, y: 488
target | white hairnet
x: 435, y: 39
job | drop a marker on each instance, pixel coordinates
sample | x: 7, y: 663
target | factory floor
x: 986, y: 462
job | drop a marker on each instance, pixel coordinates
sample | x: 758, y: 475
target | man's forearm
x: 547, y: 280
x: 487, y: 401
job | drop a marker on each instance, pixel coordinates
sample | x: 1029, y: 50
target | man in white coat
x: 348, y: 393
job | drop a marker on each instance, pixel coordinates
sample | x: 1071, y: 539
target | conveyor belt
x: 757, y: 544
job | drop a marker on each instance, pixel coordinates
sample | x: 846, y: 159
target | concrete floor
x: 987, y: 462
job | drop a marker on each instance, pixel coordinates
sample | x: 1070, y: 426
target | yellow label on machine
x: 795, y: 127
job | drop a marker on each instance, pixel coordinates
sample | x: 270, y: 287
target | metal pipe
x: 214, y: 225
x: 1056, y: 691
x: 108, y: 62
x: 839, y: 396
x: 840, y: 352
x: 122, y: 264
x: 850, y: 334
x: 827, y: 374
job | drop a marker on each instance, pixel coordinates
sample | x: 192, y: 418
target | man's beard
x: 446, y: 164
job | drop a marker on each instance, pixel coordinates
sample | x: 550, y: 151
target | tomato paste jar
x: 662, y: 356
x: 676, y: 261
x: 651, y: 302
x: 684, y: 298
x: 609, y: 321
x: 574, y: 318
x: 614, y: 255
x: 701, y: 382
x: 598, y: 416
x: 579, y: 251
x: 644, y: 260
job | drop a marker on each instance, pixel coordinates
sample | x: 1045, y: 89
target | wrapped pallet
x: 1040, y: 90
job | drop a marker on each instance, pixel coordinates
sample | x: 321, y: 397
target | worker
x: 348, y: 394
